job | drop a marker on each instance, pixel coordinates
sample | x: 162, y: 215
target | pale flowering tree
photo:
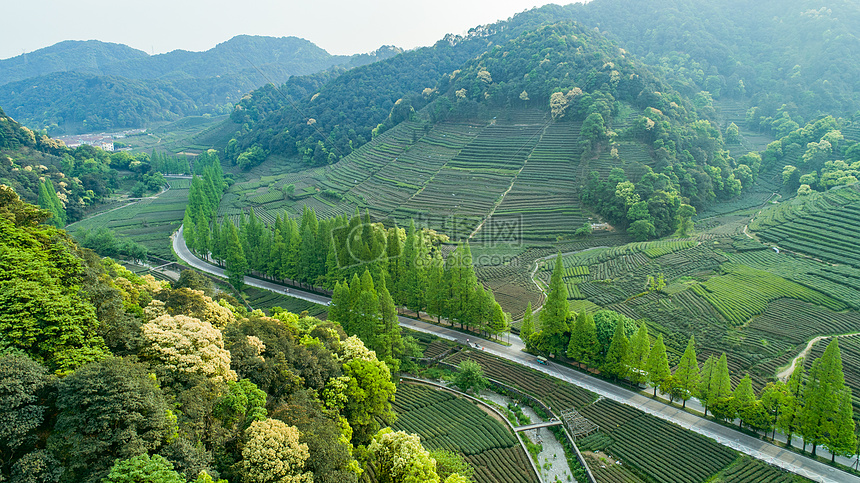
x: 273, y: 454
x: 154, y: 310
x: 188, y: 345
x: 257, y: 344
x: 354, y: 348
x: 400, y: 457
x: 484, y: 76
x: 153, y: 286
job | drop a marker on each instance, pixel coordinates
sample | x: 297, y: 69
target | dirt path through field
x: 786, y: 373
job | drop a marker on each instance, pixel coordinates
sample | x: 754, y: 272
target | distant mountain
x: 90, y: 56
x: 87, y: 86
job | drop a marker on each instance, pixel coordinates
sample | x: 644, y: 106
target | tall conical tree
x: 389, y: 344
x: 842, y: 440
x: 237, y: 265
x: 202, y: 239
x: 640, y: 347
x: 217, y: 246
x: 368, y: 320
x: 744, y: 400
x: 554, y: 313
x: 436, y: 290
x: 820, y: 417
x: 188, y: 229
x: 405, y: 266
x: 658, y: 366
x: 618, y: 354
x: 789, y: 419
x: 721, y: 390
x: 706, y: 375
x: 772, y: 400
x: 686, y: 378
x: 416, y: 276
x: 584, y: 346
x: 339, y: 310
x: 528, y: 327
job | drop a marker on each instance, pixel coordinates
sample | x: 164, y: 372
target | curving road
x: 736, y: 440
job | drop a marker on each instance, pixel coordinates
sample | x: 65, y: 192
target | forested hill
x: 90, y: 86
x: 787, y: 62
x: 344, y: 111
x: 89, y: 56
x: 292, y: 55
x: 801, y: 53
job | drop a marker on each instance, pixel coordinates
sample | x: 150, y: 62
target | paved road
x: 185, y: 254
x: 762, y: 450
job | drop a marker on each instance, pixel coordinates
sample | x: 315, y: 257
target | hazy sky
x: 157, y: 26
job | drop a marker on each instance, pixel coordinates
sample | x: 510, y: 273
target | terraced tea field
x: 446, y: 421
x: 656, y: 448
x: 522, y: 168
x: 826, y: 228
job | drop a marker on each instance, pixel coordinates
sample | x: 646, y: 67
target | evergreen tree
x: 188, y: 228
x: 772, y: 399
x: 788, y: 419
x: 366, y: 315
x: 405, y: 266
x: 842, y: 440
x: 744, y: 401
x: 389, y: 344
x: 279, y: 247
x: 527, y: 328
x: 821, y: 419
x: 201, y: 237
x: 460, y: 283
x: 237, y: 265
x: 498, y: 321
x: 658, y: 366
x: 294, y: 245
x: 705, y: 376
x: 554, y: 313
x: 640, y: 347
x: 721, y: 390
x: 436, y: 291
x: 339, y: 310
x: 217, y: 245
x: 686, y: 378
x: 394, y: 251
x: 584, y: 346
x: 416, y: 277
x: 618, y: 353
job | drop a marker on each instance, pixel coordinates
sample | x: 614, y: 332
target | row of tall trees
x: 817, y: 406
x: 409, y: 263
